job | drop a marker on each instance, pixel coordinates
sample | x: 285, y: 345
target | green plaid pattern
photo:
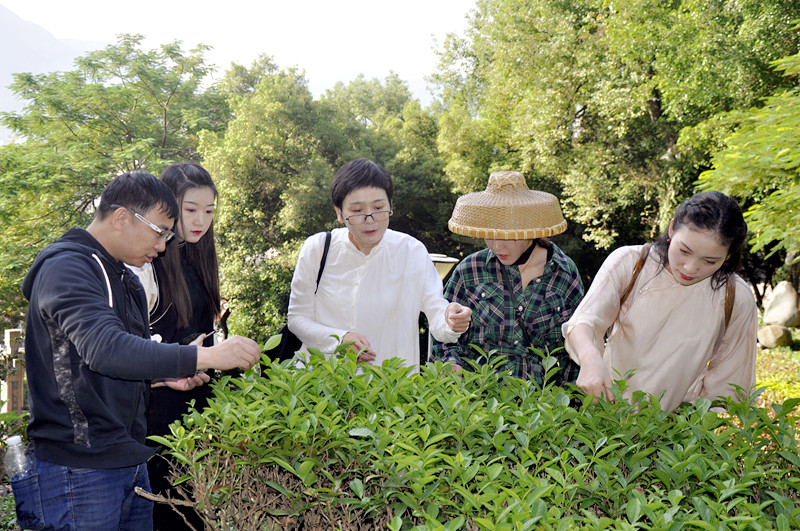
x: 546, y: 303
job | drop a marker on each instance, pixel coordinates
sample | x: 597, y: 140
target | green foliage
x: 761, y: 165
x: 121, y: 109
x: 331, y: 446
x: 8, y: 517
x: 271, y: 180
x: 11, y: 423
x: 382, y: 122
x: 778, y: 371
x: 271, y: 148
x: 275, y: 162
x: 611, y: 105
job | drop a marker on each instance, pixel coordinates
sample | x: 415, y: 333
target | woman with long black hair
x: 187, y: 303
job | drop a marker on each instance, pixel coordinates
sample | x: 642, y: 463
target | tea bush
x: 332, y: 447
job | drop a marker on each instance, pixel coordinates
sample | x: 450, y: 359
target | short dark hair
x: 138, y: 191
x: 715, y: 212
x: 174, y: 293
x: 357, y: 174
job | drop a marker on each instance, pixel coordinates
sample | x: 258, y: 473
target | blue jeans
x: 78, y: 499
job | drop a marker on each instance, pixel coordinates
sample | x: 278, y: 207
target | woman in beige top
x: 671, y: 327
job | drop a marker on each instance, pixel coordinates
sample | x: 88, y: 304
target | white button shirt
x: 379, y: 295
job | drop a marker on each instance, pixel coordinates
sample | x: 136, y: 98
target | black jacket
x: 167, y: 405
x: 88, y: 356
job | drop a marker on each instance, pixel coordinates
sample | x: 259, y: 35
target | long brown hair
x: 202, y: 255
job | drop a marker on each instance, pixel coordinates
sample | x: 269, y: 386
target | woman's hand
x: 594, y: 377
x: 457, y: 317
x: 360, y: 346
x: 186, y: 383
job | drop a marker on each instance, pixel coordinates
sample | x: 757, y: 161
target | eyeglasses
x: 165, y: 235
x: 359, y: 219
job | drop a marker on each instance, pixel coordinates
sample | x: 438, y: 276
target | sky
x: 331, y: 40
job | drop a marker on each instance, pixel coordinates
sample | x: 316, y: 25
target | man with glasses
x: 89, y: 359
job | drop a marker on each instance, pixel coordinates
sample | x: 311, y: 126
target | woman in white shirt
x: 678, y: 317
x: 375, y: 281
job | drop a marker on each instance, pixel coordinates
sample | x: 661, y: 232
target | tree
x: 121, y: 109
x: 271, y: 178
x: 591, y: 99
x: 761, y: 165
x: 276, y: 160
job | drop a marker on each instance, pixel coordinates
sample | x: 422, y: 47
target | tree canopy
x: 592, y: 98
x: 616, y: 108
x: 276, y: 160
x: 760, y: 164
x: 120, y: 109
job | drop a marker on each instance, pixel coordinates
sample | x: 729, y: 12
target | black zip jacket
x: 88, y: 356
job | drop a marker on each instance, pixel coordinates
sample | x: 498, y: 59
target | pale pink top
x: 674, y: 336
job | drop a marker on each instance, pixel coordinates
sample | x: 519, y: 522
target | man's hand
x: 235, y: 352
x: 457, y: 317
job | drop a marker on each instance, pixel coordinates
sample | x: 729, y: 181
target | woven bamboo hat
x: 507, y: 210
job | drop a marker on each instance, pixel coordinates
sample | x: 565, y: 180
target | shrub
x: 333, y: 447
x: 11, y: 423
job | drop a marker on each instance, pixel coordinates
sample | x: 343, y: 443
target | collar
x: 84, y: 237
x: 526, y: 254
x: 352, y: 247
x: 559, y: 260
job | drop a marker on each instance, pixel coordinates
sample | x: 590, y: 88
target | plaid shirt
x: 545, y: 303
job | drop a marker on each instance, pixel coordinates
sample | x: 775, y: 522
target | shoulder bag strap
x: 730, y: 297
x: 510, y: 290
x: 324, y: 258
x: 730, y: 287
x: 636, y: 270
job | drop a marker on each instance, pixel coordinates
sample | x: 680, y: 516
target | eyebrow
x: 705, y: 257
x: 368, y: 202
x: 196, y: 203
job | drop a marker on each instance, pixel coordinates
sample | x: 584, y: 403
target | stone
x: 772, y: 336
x: 782, y: 307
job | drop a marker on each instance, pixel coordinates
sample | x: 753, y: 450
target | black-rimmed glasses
x: 163, y: 234
x: 360, y: 219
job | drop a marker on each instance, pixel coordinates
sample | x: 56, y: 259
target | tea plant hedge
x: 332, y: 447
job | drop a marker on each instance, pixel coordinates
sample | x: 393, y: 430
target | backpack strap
x: 730, y: 297
x: 730, y: 285
x: 636, y: 270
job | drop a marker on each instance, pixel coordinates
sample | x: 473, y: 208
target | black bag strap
x: 507, y: 284
x: 324, y: 258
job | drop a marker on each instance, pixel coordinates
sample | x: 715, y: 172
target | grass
x: 778, y: 370
x: 8, y: 519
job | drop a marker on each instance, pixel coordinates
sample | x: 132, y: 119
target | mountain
x: 30, y: 48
